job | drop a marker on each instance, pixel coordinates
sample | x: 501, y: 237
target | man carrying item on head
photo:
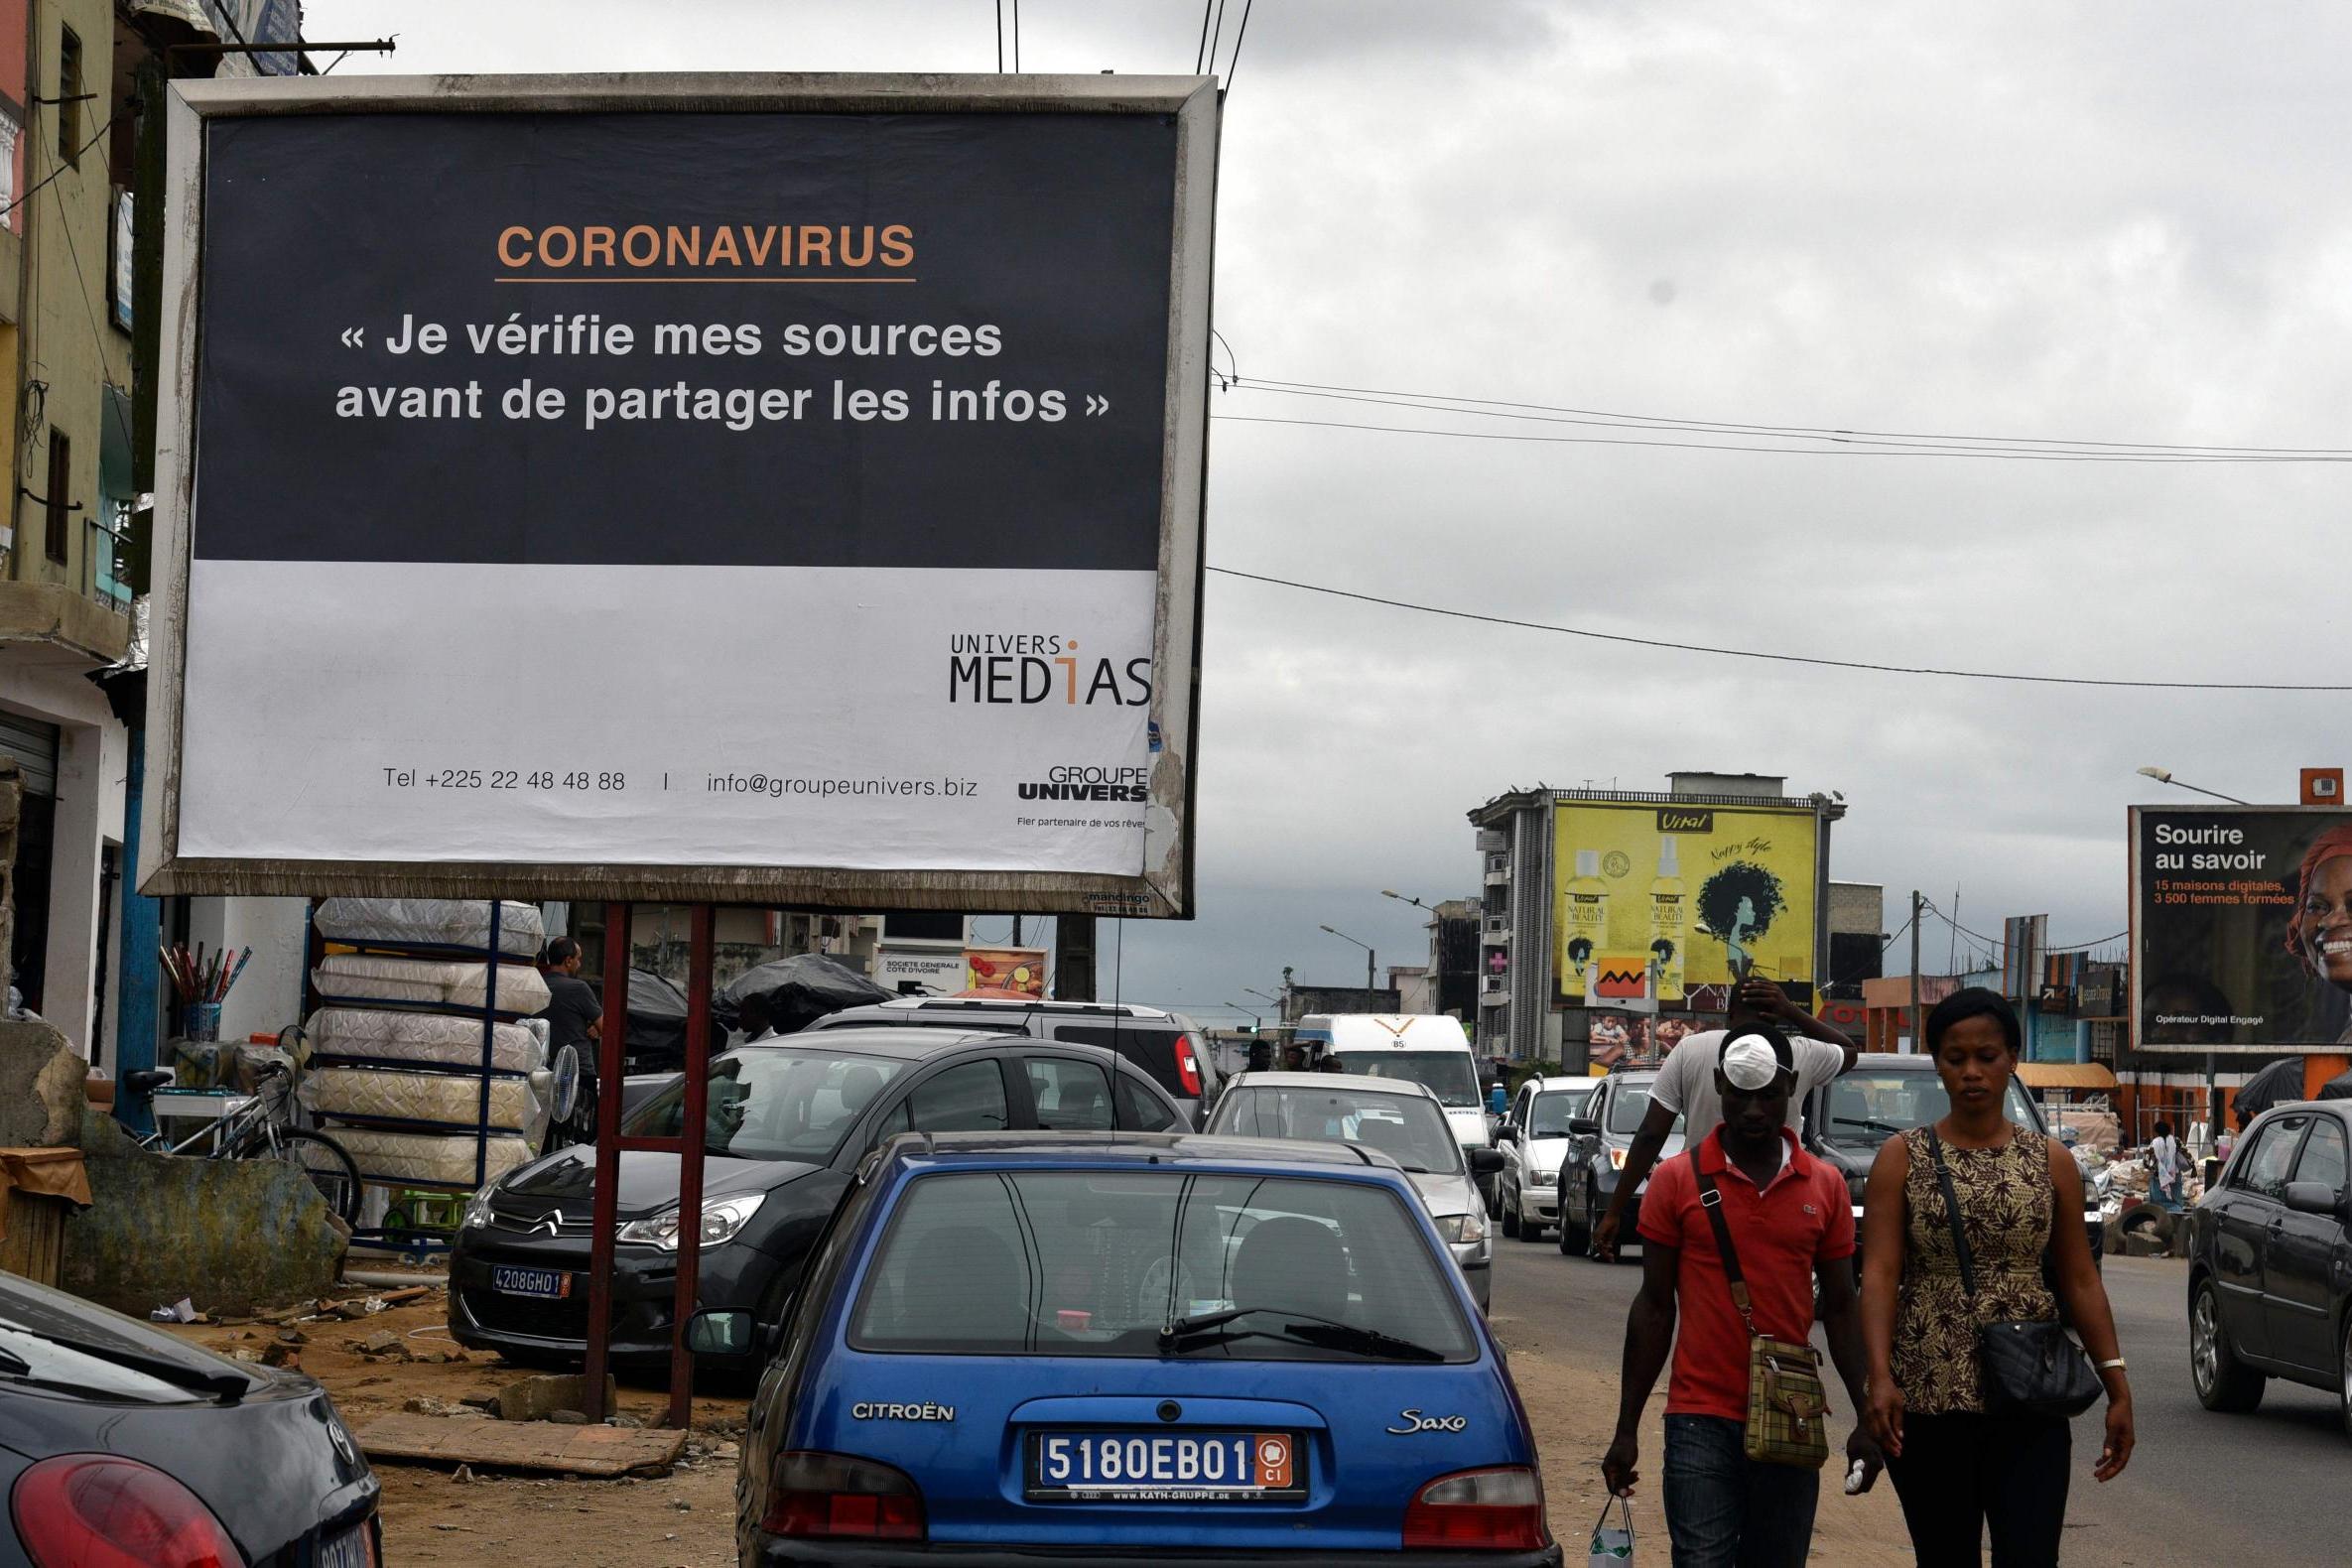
x: 1685, y: 1088
x: 1734, y: 1235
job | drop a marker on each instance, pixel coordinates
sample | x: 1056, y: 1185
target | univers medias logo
x: 1028, y: 667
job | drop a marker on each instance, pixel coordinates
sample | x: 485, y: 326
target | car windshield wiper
x: 1868, y: 1124
x: 13, y: 1364
x: 1325, y: 1333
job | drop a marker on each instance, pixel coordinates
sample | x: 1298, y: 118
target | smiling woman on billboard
x: 2320, y: 933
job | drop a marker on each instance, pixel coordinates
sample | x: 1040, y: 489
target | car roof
x: 1190, y: 1149
x: 1355, y: 1083
x: 907, y: 1044
x: 1897, y: 1061
x: 1560, y: 1080
x: 996, y: 1004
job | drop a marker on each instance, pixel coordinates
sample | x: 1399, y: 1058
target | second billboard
x: 1700, y: 891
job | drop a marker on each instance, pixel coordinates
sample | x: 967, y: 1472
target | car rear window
x: 1150, y: 1047
x: 1408, y: 1128
x: 1098, y: 1262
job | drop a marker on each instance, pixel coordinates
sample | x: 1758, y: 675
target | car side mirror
x: 2314, y: 1197
x: 1484, y: 1162
x: 718, y: 1332
x: 1583, y: 1128
x: 1507, y: 1134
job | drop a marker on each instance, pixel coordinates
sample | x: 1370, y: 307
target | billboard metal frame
x: 2138, y: 967
x: 1164, y: 886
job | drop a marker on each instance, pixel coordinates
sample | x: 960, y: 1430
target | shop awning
x: 2065, y: 1074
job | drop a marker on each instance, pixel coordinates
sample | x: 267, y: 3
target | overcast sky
x: 2093, y: 221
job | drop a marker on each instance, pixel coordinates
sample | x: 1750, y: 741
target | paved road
x: 2268, y: 1487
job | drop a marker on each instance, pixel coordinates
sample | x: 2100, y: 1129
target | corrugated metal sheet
x: 33, y: 745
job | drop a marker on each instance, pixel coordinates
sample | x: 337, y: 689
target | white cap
x: 1751, y: 1063
x: 1587, y: 863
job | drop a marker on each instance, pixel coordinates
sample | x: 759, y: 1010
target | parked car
x: 1167, y: 1045
x: 1534, y: 1139
x: 1598, y: 1143
x: 1184, y: 1351
x: 1848, y: 1120
x: 121, y: 1444
x: 2270, y: 1262
x: 786, y: 1124
x: 1401, y: 1119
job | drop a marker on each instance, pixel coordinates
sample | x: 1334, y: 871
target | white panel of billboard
x: 765, y: 489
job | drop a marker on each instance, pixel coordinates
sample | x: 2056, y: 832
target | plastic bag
x: 1612, y: 1544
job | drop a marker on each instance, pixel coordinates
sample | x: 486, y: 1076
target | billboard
x: 767, y: 490
x: 1019, y: 971
x: 1656, y: 900
x: 2241, y: 927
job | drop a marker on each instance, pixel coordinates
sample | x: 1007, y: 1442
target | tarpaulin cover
x: 2275, y: 1085
x: 433, y: 922
x: 2337, y: 1088
x: 657, y: 1023
x: 52, y: 1173
x: 797, y: 991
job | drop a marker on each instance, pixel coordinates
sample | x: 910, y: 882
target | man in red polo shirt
x: 1788, y: 1217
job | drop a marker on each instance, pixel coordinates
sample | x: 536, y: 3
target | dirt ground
x: 680, y: 1520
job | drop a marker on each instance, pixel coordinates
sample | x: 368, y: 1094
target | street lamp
x: 1252, y: 990
x: 2165, y: 776
x: 1255, y: 1022
x: 1370, y: 962
x: 1402, y: 898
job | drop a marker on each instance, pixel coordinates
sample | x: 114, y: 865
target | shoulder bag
x: 1787, y: 1406
x: 2024, y: 1365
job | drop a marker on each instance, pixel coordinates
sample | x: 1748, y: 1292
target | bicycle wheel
x: 331, y: 1170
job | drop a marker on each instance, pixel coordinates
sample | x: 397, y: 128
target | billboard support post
x: 1918, y: 1026
x: 612, y: 1032
x: 692, y: 1138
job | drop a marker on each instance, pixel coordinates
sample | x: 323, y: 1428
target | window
x: 1070, y: 1095
x: 966, y: 1098
x: 69, y: 96
x: 775, y: 1104
x: 60, y: 484
x: 1152, y: 1049
x: 1096, y: 1263
x: 1141, y: 1111
x: 1552, y: 1113
x: 2264, y: 1168
x: 1405, y: 1127
x: 2325, y: 1161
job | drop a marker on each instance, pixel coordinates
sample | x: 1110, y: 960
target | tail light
x: 819, y: 1496
x: 96, y: 1510
x: 1188, y: 1067
x: 1478, y: 1511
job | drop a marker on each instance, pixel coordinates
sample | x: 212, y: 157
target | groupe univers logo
x: 1025, y: 669
x: 1087, y: 782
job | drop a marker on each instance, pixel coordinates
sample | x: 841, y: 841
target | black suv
x: 1164, y: 1044
x: 787, y: 1123
x: 2270, y: 1262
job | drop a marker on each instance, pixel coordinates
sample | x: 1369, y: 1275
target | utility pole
x: 1918, y: 1031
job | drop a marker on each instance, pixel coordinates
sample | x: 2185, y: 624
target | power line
x: 1016, y: 36
x: 1215, y: 35
x: 1974, y: 446
x: 1751, y: 426
x: 1000, y: 38
x: 1241, y: 33
x: 60, y: 169
x: 1998, y: 944
x: 1776, y: 658
x: 1990, y: 454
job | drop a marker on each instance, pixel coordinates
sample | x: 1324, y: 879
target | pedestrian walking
x: 2168, y: 1164
x: 1735, y: 1232
x: 1684, y: 1089
x: 574, y: 1021
x: 1968, y: 1224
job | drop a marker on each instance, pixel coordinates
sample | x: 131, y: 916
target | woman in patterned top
x: 1957, y: 1468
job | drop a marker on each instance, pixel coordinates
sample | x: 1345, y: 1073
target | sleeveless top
x: 2006, y: 1199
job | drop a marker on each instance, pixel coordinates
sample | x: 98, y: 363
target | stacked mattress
x: 402, y: 1049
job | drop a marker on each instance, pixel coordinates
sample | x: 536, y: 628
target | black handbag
x: 2026, y: 1366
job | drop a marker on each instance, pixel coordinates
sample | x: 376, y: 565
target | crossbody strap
x: 1943, y: 1177
x: 1710, y: 1200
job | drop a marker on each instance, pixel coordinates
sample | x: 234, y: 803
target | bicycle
x: 262, y: 1129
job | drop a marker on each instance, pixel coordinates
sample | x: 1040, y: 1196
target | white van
x: 1426, y: 1048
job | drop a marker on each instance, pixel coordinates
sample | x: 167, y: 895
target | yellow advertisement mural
x: 1696, y: 890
